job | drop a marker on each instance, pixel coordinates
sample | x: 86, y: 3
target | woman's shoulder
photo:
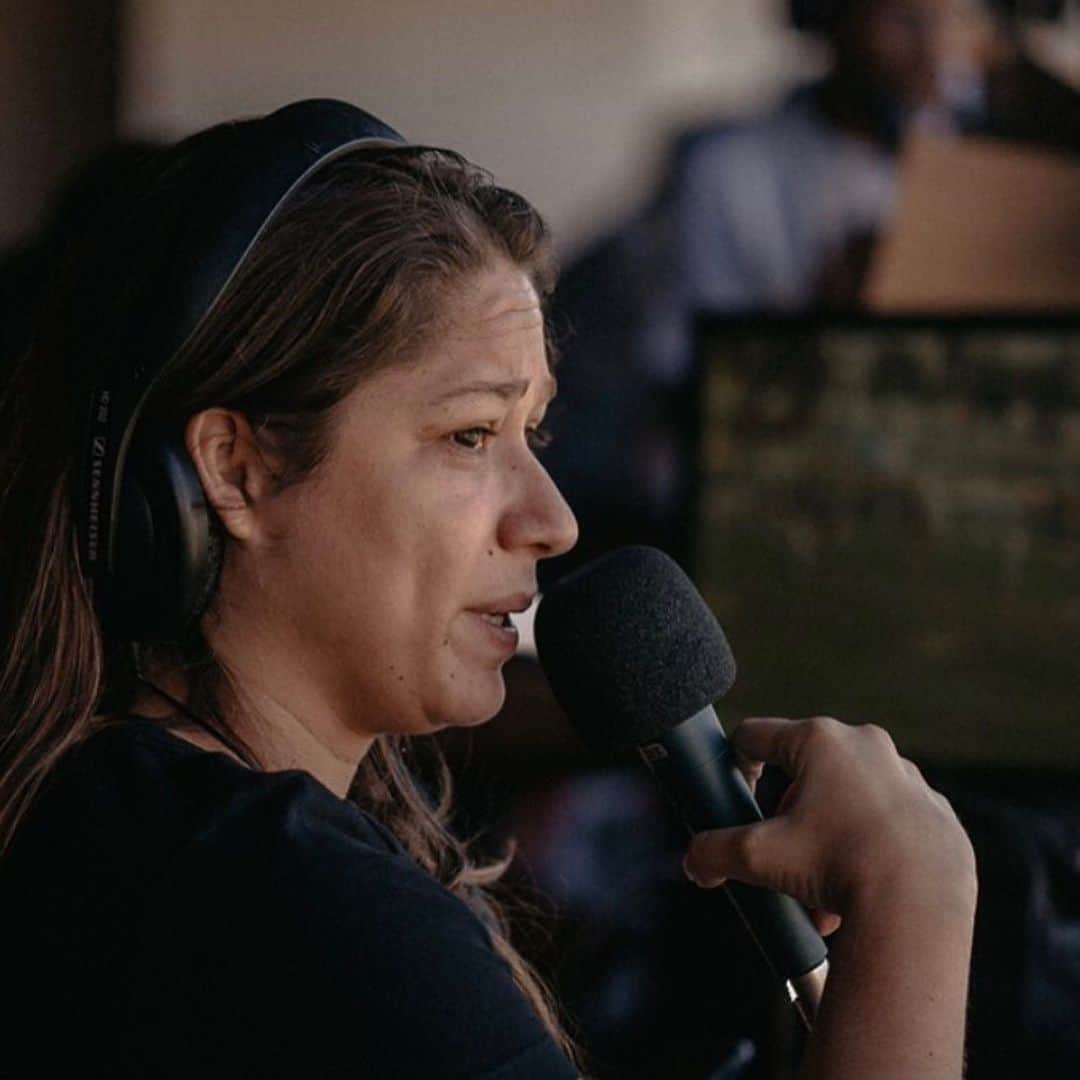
x: 302, y: 919
x: 213, y: 828
x: 168, y: 818
x: 263, y: 913
x: 136, y: 770
x: 232, y: 861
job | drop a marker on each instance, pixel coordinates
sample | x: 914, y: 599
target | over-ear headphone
x: 150, y: 547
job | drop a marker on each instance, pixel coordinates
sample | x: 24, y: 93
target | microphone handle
x: 693, y: 762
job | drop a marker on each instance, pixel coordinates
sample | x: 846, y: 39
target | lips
x: 493, y: 621
x: 498, y: 611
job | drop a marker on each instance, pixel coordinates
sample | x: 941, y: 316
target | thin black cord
x: 222, y: 736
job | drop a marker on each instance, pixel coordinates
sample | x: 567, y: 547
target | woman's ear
x: 232, y: 468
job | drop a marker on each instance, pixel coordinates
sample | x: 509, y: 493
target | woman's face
x: 397, y: 560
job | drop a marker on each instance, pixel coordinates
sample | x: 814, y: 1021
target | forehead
x: 501, y: 295
x: 491, y: 331
x: 498, y: 308
x: 492, y: 327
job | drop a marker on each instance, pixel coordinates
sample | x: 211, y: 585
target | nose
x: 539, y: 518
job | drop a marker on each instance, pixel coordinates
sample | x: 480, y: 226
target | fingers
x: 751, y: 770
x: 746, y: 853
x: 767, y: 739
x: 736, y: 852
x: 855, y: 812
x: 778, y: 741
x: 825, y: 922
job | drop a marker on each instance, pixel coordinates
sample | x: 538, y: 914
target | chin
x: 476, y: 704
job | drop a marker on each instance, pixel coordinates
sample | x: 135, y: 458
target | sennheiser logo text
x: 97, y: 467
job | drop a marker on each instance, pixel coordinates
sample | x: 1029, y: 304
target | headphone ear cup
x: 167, y: 551
x: 207, y: 578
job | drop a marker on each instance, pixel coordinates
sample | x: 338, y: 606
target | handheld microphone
x: 636, y: 659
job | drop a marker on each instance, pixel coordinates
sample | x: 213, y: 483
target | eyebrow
x: 507, y: 390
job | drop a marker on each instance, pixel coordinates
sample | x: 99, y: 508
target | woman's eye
x: 474, y: 438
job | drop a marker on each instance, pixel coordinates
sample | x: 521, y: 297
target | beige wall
x: 567, y: 100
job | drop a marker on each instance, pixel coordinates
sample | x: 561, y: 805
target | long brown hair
x: 353, y: 274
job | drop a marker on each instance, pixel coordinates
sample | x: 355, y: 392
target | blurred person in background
x: 779, y: 211
x: 776, y: 211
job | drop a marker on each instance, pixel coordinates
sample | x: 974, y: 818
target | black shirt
x: 166, y: 911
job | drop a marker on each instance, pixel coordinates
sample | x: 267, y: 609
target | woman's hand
x: 860, y: 833
x: 858, y: 822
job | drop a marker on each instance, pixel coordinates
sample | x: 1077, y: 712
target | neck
x: 283, y: 719
x: 291, y: 730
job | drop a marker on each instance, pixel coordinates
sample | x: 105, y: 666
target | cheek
x: 448, y: 521
x: 376, y: 567
x: 322, y: 565
x: 377, y: 580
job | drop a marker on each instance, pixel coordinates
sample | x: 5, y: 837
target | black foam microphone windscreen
x: 636, y: 658
x: 630, y: 648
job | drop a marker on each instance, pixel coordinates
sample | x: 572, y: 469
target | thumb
x: 747, y: 853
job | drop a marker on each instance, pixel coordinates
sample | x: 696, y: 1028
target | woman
x: 216, y: 857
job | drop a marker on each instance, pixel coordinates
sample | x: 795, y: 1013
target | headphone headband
x: 212, y: 196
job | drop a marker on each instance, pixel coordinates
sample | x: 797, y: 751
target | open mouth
x: 496, y: 618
